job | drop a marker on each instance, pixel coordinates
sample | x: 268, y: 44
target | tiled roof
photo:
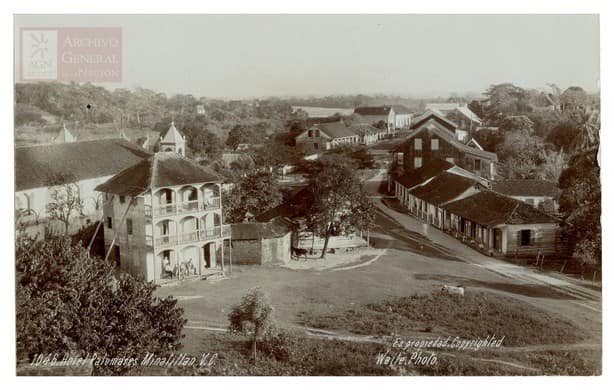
x: 526, y: 188
x: 373, y: 110
x: 422, y: 174
x: 489, y: 208
x: 278, y: 227
x: 35, y: 165
x: 443, y: 188
x: 164, y: 169
x: 336, y: 129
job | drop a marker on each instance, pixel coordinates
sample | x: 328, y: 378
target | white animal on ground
x: 452, y: 290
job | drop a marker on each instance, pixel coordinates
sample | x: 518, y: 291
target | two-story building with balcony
x: 163, y: 219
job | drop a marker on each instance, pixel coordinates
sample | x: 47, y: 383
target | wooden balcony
x: 190, y: 237
x: 182, y: 208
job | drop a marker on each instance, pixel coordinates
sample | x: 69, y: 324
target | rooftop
x: 336, y: 129
x: 422, y: 174
x: 489, y: 208
x: 443, y: 188
x: 278, y: 227
x: 36, y: 165
x: 373, y: 110
x: 164, y: 169
x: 526, y: 188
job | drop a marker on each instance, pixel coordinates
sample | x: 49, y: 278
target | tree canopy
x: 71, y: 303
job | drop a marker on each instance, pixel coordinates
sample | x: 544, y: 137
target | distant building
x: 459, y: 113
x: 200, y: 109
x: 262, y: 242
x: 402, y: 117
x: 541, y: 194
x: 172, y: 140
x: 325, y: 136
x: 374, y: 115
x: 367, y: 134
x: 437, y: 138
x: 86, y: 163
x: 163, y: 218
x: 64, y: 136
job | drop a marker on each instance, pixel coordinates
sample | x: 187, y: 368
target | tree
x: 574, y: 98
x: 358, y: 154
x: 255, y: 193
x: 580, y: 204
x: 65, y: 199
x: 253, y: 316
x: 340, y: 206
x: 516, y: 123
x: 71, y: 303
x: 241, y: 134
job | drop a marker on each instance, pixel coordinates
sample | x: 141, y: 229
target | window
x: 417, y: 162
x: 316, y: 145
x: 317, y: 133
x: 417, y: 143
x: 129, y: 226
x: 110, y: 222
x: 525, y: 237
x: 477, y: 165
x: 310, y: 133
x: 450, y: 159
x: 434, y: 143
x: 400, y: 158
x: 122, y: 199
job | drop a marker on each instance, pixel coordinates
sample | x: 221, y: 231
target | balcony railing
x: 182, y: 208
x: 190, y: 237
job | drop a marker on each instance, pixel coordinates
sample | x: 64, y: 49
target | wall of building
x: 277, y: 250
x: 246, y: 252
x: 133, y: 249
x: 544, y: 240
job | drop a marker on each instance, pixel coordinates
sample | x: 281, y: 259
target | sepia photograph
x: 285, y: 195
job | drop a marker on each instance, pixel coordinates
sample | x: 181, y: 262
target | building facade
x: 325, y: 136
x: 163, y: 219
x: 434, y: 138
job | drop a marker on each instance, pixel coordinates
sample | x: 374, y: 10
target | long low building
x: 461, y: 204
x: 500, y: 225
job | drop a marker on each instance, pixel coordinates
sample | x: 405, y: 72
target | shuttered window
x: 525, y: 237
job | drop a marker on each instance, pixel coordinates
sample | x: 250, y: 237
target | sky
x: 239, y: 56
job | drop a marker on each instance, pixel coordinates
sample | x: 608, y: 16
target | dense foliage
x: 71, y: 303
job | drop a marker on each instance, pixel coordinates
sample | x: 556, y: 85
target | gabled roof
x: 172, y: 135
x: 526, y: 188
x: 334, y: 130
x: 451, y: 139
x: 425, y: 172
x: 432, y: 115
x: 443, y: 188
x: 466, y: 111
x: 295, y: 207
x: 278, y: 227
x: 164, y: 169
x: 373, y: 110
x: 369, y: 119
x: 401, y: 109
x: 64, y: 136
x: 36, y: 165
x: 364, y: 129
x: 489, y: 208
